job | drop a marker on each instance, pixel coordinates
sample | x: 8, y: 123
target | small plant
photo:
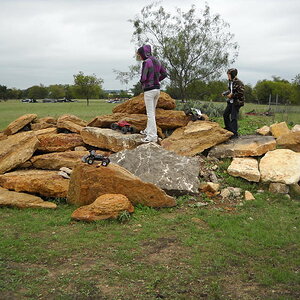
x: 124, y: 216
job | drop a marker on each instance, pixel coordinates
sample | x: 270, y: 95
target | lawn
x: 219, y: 251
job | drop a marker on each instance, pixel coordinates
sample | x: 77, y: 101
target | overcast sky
x: 47, y: 41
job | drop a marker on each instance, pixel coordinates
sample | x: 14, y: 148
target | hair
x: 233, y: 72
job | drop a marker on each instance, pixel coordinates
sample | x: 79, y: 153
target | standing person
x: 152, y: 73
x: 236, y: 99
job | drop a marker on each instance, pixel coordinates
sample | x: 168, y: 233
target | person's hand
x: 229, y: 95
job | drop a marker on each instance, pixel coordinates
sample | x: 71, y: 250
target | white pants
x: 151, y: 98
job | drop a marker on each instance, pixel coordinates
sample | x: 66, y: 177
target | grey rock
x: 278, y: 188
x: 173, y: 173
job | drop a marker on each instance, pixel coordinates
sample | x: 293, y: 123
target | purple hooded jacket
x: 152, y: 71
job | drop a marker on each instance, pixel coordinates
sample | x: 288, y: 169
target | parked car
x: 28, y: 101
x: 48, y: 100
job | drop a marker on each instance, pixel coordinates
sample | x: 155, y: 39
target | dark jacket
x: 237, y: 91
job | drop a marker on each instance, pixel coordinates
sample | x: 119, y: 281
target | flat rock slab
x: 19, y: 123
x: 281, y: 165
x: 195, y: 138
x: 110, y: 139
x: 22, y: 200
x: 173, y: 173
x: 248, y: 145
x: 290, y: 141
x: 246, y: 168
x: 16, y: 149
x: 71, y: 123
x: 89, y: 182
x: 40, y: 182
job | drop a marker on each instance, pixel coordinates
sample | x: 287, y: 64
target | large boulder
x: 57, y: 160
x: 279, y: 129
x: 16, y: 149
x: 246, y: 168
x: 196, y: 137
x: 151, y: 163
x: 136, y: 105
x: 40, y: 182
x: 265, y: 130
x: 170, y: 119
x: 248, y: 145
x: 107, y: 206
x: 296, y: 128
x: 19, y: 123
x: 290, y: 140
x: 71, y: 123
x: 89, y: 182
x: 22, y: 200
x: 59, y: 142
x: 113, y: 140
x: 281, y: 165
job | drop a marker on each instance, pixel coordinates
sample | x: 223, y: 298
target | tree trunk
x: 87, y: 101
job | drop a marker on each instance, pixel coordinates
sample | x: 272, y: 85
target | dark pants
x: 230, y: 118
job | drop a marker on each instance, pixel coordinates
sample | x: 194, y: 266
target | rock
x: 45, y: 131
x: 17, y: 149
x: 66, y: 170
x: 209, y: 187
x: 231, y: 193
x: 63, y: 174
x: 246, y: 168
x: 3, y: 136
x: 249, y: 196
x: 281, y: 165
x: 110, y: 139
x: 279, y: 129
x: 41, y: 182
x: 56, y: 160
x: 290, y: 140
x: 89, y: 182
x: 104, y: 121
x: 19, y: 123
x: 151, y: 163
x: 278, y: 188
x: 39, y: 126
x: 49, y: 120
x: 249, y: 145
x: 170, y: 119
x: 22, y: 200
x: 265, y: 130
x: 136, y: 105
x: 80, y: 148
x: 296, y: 128
x: 295, y: 190
x: 71, y: 123
x: 59, y: 142
x: 107, y: 206
x: 195, y: 138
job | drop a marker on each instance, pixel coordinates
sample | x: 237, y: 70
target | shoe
x: 235, y: 136
x: 144, y: 132
x: 148, y: 140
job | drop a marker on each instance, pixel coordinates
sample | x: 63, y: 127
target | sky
x: 47, y: 42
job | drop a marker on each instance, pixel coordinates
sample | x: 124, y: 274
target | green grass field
x: 221, y: 251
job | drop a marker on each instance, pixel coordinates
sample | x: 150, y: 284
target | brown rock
x: 296, y: 128
x: 71, y: 122
x: 279, y: 129
x: 195, y: 138
x: 104, y: 121
x: 41, y: 125
x: 107, y: 206
x: 49, y: 120
x: 110, y: 139
x: 41, y: 182
x: 136, y: 105
x: 278, y: 188
x: 89, y: 182
x: 290, y: 140
x: 265, y: 130
x: 246, y: 168
x: 59, y: 142
x: 17, y: 149
x: 169, y: 119
x: 249, y: 196
x: 57, y: 160
x: 19, y: 123
x: 45, y: 131
x: 3, y: 136
x: 22, y: 200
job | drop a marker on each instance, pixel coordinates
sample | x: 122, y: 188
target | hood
x: 233, y: 73
x: 144, y: 51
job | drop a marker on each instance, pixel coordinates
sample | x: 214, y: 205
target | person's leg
x: 234, y: 122
x: 226, y: 117
x: 150, y: 100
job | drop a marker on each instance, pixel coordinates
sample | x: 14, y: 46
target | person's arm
x: 238, y: 90
x: 145, y: 70
x: 163, y: 73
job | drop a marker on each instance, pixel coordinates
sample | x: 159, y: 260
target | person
x: 236, y: 99
x: 152, y: 73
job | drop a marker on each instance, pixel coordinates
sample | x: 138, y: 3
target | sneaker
x: 144, y: 132
x: 148, y: 140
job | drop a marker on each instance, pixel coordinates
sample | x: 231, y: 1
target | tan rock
x: 39, y: 126
x: 80, y: 148
x: 104, y: 121
x: 281, y: 165
x: 296, y: 128
x: 290, y: 140
x: 41, y: 182
x: 279, y: 129
x: 136, y: 105
x: 246, y: 168
x: 265, y: 130
x: 22, y: 200
x: 278, y: 188
x: 57, y: 160
x: 49, y: 120
x: 3, y: 136
x: 107, y: 206
x: 209, y: 187
x: 89, y: 182
x: 110, y: 139
x: 169, y: 119
x: 249, y: 196
x: 71, y: 122
x: 45, y: 131
x: 59, y: 142
x: 19, y: 123
x: 17, y: 149
x: 195, y: 138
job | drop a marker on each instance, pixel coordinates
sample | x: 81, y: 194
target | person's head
x: 144, y: 52
x: 232, y: 73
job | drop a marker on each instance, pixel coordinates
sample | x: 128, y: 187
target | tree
x: 56, y: 91
x: 88, y: 85
x: 3, y: 92
x: 37, y: 92
x: 192, y: 48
